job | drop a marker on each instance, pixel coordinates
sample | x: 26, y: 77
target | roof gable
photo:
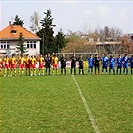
x: 13, y: 32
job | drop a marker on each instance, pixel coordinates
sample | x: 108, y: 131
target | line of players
x: 109, y: 64
x: 29, y: 64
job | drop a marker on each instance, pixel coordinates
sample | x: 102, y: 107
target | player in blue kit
x: 119, y: 64
x: 90, y: 64
x: 125, y: 64
x: 112, y: 64
x: 105, y: 60
x: 131, y: 64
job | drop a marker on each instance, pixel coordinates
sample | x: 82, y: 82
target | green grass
x: 52, y: 104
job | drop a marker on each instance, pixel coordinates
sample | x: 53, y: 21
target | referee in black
x: 48, y: 61
x: 63, y: 64
x: 73, y: 60
x: 81, y: 64
x: 96, y: 64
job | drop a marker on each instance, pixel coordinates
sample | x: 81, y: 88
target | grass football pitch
x: 54, y: 104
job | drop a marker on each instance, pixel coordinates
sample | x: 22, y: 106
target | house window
x: 28, y: 45
x: 31, y: 44
x: 8, y: 46
x: 4, y: 45
x: 13, y: 31
x: 34, y: 45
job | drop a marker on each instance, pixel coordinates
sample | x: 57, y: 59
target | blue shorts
x: 104, y: 67
x: 111, y: 67
x: 119, y: 67
x: 125, y: 65
x: 90, y: 66
x: 131, y: 66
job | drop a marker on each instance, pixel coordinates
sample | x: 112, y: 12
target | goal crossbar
x: 78, y: 53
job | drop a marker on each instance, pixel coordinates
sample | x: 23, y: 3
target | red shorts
x: 27, y: 65
x: 41, y: 66
x: 13, y: 66
x: 21, y: 66
x: 55, y: 66
x: 33, y: 66
x: 7, y: 66
x: 0, y: 66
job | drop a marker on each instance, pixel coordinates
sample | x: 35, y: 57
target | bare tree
x: 113, y: 47
x: 110, y: 39
x: 35, y: 20
x: 127, y: 44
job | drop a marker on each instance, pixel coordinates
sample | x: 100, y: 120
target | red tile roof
x: 8, y: 33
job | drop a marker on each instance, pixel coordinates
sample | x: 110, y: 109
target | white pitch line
x: 87, y: 107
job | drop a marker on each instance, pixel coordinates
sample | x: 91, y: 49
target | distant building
x: 9, y: 39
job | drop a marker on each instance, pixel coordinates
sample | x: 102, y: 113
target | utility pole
x: 43, y: 45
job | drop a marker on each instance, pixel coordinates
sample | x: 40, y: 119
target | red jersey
x: 55, y: 60
x: 6, y: 60
x: 41, y: 60
x: 27, y: 60
x: 0, y: 63
x: 13, y: 61
x: 33, y: 61
x: 21, y: 60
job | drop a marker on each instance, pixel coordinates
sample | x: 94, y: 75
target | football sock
x: 5, y: 72
x: 18, y: 72
x: 15, y: 72
x: 83, y: 72
x: 34, y: 71
x: 22, y: 72
x: 42, y: 71
x: 61, y: 71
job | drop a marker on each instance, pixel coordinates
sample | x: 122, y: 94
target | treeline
x: 76, y: 41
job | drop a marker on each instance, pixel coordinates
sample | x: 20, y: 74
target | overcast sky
x: 73, y: 15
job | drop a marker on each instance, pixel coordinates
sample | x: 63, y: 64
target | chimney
x: 10, y: 23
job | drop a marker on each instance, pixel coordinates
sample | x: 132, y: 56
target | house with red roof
x: 9, y: 39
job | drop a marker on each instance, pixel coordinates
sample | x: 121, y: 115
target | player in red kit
x: 7, y: 66
x: 41, y: 65
x: 27, y: 64
x: 33, y: 65
x: 21, y: 65
x: 0, y: 66
x: 13, y: 65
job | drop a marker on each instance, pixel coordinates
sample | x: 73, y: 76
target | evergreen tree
x: 60, y: 40
x: 46, y: 34
x: 18, y: 21
x: 21, y: 48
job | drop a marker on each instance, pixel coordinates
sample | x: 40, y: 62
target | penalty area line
x: 86, y: 107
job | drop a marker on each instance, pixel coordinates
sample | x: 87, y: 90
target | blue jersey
x: 125, y: 61
x: 131, y: 62
x: 91, y: 62
x: 112, y: 62
x: 105, y: 61
x: 119, y: 62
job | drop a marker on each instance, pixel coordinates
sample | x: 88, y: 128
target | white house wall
x: 12, y: 50
x: 33, y: 51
